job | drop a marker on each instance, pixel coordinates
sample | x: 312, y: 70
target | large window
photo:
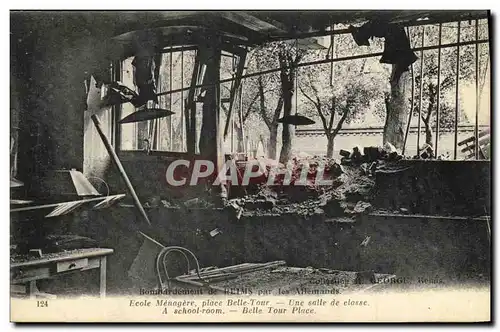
x: 176, y: 73
x: 169, y: 133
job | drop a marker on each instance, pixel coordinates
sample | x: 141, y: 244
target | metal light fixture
x: 146, y: 114
x: 296, y: 120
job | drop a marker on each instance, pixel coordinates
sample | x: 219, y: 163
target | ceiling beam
x: 266, y: 27
x: 251, y: 22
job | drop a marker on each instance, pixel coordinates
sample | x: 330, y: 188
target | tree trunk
x: 329, y: 147
x: 288, y: 130
x: 430, y: 110
x: 397, y: 107
x: 428, y: 132
x: 273, y: 140
x: 240, y: 142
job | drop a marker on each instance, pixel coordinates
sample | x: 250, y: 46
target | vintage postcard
x: 250, y: 166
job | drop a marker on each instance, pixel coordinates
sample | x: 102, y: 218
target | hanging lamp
x: 146, y: 65
x: 296, y: 119
x: 146, y: 114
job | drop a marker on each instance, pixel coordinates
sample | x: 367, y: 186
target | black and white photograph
x: 250, y: 165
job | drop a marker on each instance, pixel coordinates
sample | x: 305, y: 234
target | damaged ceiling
x: 244, y: 28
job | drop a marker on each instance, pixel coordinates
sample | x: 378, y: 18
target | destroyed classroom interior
x: 102, y: 103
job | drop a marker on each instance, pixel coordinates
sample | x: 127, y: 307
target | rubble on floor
x: 278, y: 278
x: 299, y: 280
x: 191, y: 203
x: 347, y: 197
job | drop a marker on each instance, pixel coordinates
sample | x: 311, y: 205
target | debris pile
x: 307, y: 186
x: 157, y: 201
x: 347, y: 196
x: 352, y: 196
x: 370, y: 154
x: 300, y: 169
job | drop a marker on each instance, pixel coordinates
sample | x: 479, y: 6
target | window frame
x: 239, y: 52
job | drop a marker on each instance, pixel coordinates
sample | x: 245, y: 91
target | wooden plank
x: 64, y: 208
x: 482, y: 141
x: 107, y: 202
x: 212, y: 278
x: 268, y: 27
x: 227, y: 271
x: 200, y: 284
x: 246, y: 268
x: 472, y: 138
x: 119, y: 166
x: 263, y: 267
x: 250, y: 22
x: 55, y: 205
x: 235, y: 269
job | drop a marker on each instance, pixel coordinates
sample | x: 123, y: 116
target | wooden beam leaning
x: 118, y: 164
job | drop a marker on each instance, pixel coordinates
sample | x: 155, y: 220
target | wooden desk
x: 27, y: 272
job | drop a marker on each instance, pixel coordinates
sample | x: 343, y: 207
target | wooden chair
x: 483, y: 146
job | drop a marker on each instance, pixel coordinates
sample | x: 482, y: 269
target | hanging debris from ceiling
x: 397, y: 48
x: 145, y: 78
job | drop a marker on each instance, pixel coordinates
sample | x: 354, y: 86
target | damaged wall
x: 422, y: 247
x: 147, y: 174
x: 50, y: 56
x: 437, y: 187
x: 406, y: 245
